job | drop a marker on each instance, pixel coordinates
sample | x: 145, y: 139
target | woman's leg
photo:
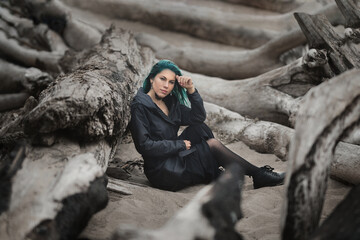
x: 196, y: 133
x: 262, y: 177
x: 225, y: 157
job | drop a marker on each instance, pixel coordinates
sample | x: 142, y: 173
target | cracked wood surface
x: 317, y: 133
x: 94, y: 100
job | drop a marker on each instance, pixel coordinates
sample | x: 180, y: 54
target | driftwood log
x: 276, y: 91
x: 94, y: 101
x: 56, y: 15
x: 317, y: 133
x: 38, y: 36
x: 62, y: 177
x: 213, y: 25
x: 269, y: 137
x: 278, y: 5
x: 320, y: 34
x: 344, y: 221
x: 16, y: 78
x: 226, y: 64
x: 27, y: 56
x: 72, y: 126
x: 211, y: 214
x: 54, y: 191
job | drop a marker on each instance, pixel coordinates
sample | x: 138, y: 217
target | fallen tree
x: 71, y: 135
x: 278, y: 5
x: 317, y: 133
x: 269, y: 137
x: 277, y: 92
x: 56, y: 15
x: 232, y: 29
x: 74, y: 123
x: 225, y: 64
x: 344, y: 220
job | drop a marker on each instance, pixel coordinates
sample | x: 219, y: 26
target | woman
x: 173, y: 162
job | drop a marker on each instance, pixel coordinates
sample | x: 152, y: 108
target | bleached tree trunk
x: 272, y: 138
x: 28, y: 56
x: 225, y: 64
x: 94, y: 101
x: 344, y: 221
x: 317, y: 132
x: 278, y: 5
x: 320, y: 34
x: 15, y: 78
x: 272, y: 96
x: 351, y: 12
x: 57, y: 184
x: 48, y: 184
x: 56, y: 15
x: 12, y: 100
x: 213, y: 25
x: 37, y: 36
x: 211, y: 214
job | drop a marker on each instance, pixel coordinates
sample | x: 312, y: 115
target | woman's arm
x: 197, y: 113
x: 139, y: 127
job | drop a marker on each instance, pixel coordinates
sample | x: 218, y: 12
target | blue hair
x: 178, y: 91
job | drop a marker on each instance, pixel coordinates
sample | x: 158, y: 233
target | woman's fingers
x: 187, y: 144
x: 184, y: 81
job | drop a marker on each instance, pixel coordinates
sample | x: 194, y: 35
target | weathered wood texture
x: 225, y: 64
x: 55, y: 14
x: 203, y: 22
x: 317, y: 133
x: 211, y: 214
x: 351, y: 11
x: 57, y: 189
x: 15, y: 78
x: 275, y: 5
x: 344, y: 221
x: 53, y: 192
x: 13, y: 49
x: 93, y: 102
x: 321, y: 35
x: 38, y: 36
x: 268, y: 137
x: 276, y: 91
x: 12, y: 100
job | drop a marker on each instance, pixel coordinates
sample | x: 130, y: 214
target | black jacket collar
x: 145, y: 100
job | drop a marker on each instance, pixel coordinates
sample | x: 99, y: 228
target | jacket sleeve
x: 139, y: 127
x: 195, y: 114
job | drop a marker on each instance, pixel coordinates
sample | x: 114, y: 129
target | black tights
x: 225, y: 157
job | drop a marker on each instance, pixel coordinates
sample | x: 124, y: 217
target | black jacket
x: 155, y: 135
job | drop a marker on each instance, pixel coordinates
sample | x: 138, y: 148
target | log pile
x: 67, y: 86
x: 57, y: 148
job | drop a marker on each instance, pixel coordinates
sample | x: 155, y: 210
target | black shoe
x: 265, y: 177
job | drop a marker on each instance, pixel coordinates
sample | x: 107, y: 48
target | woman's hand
x: 187, y: 144
x: 186, y: 82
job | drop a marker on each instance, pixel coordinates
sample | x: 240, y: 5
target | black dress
x: 167, y: 163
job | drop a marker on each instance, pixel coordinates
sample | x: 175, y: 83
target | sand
x: 150, y: 208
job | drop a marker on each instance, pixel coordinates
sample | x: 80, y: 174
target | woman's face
x: 163, y: 83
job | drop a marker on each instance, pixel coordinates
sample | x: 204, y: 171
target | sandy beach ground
x: 150, y: 208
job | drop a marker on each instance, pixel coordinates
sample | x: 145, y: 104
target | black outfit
x: 167, y: 163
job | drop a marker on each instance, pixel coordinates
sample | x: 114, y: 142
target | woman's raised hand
x: 186, y: 82
x: 187, y: 144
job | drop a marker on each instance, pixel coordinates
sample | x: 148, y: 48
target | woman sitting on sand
x: 172, y: 162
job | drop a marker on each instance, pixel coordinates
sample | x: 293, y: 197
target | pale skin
x: 162, y: 85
